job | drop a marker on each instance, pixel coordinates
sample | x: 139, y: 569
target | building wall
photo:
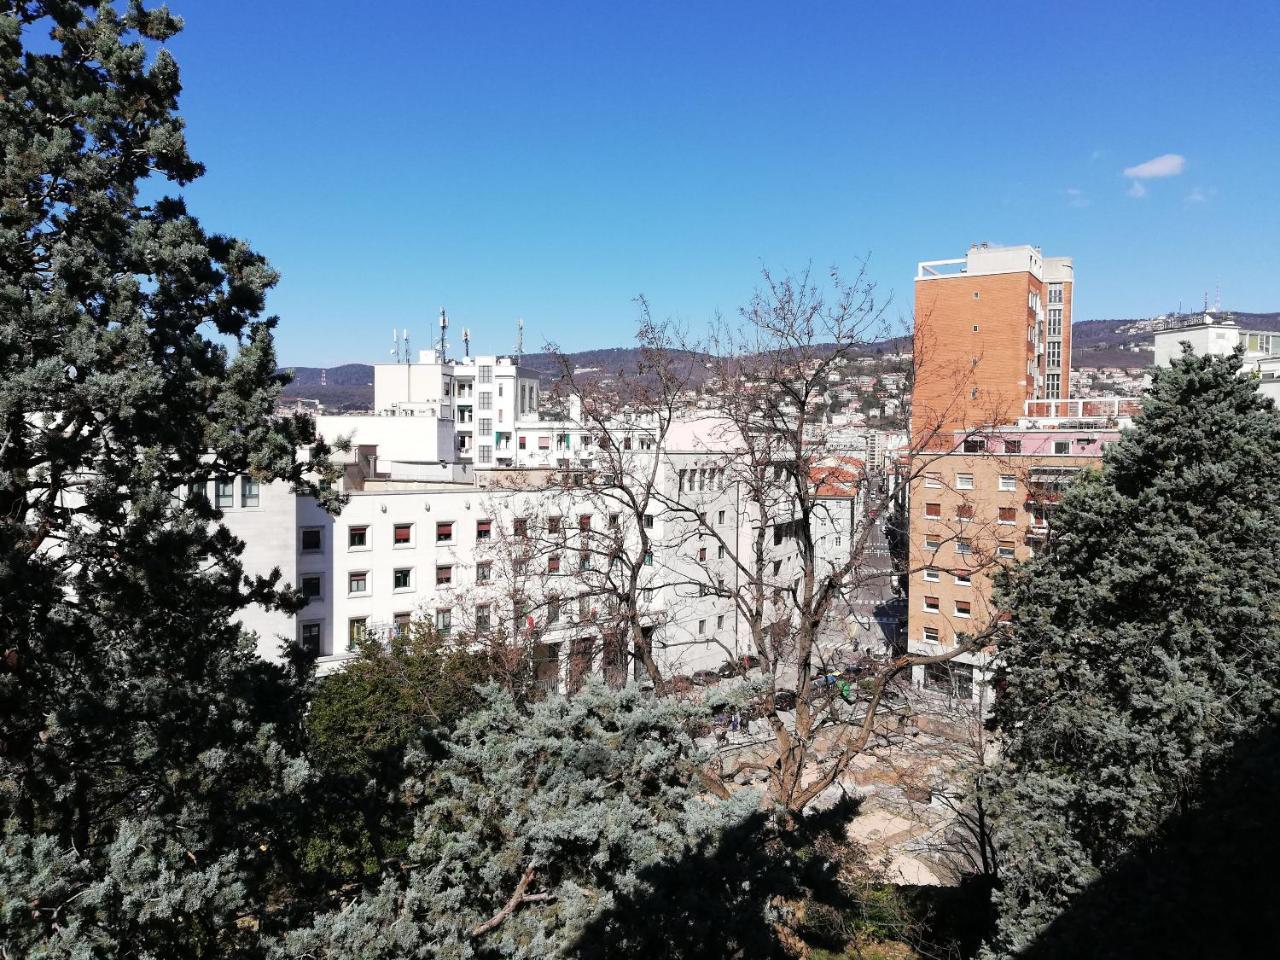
x: 956, y: 530
x: 982, y: 338
x: 973, y: 345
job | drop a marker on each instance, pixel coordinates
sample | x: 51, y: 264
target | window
x: 1055, y: 321
x: 702, y: 627
x: 720, y: 552
x: 311, y: 638
x: 444, y: 532
x: 720, y: 518
x: 357, y: 630
x: 1008, y: 514
x: 648, y: 521
x: 930, y: 634
x: 933, y: 509
x: 1005, y: 550
x: 1053, y: 384
x: 484, y: 453
x: 720, y: 622
x: 584, y: 561
x: 975, y: 444
x: 523, y: 442
x: 933, y: 480
x: 482, y: 618
x: 777, y: 567
x: 249, y: 492
x: 484, y: 572
x: 1008, y: 483
x: 553, y: 563
x: 402, y: 579
x: 614, y: 520
x: 963, y: 608
x: 224, y: 494
x: 932, y: 543
x: 444, y: 575
x: 444, y: 621
x: 584, y: 607
x: 963, y: 580
x: 400, y: 623
x: 1062, y: 447
x: 553, y: 524
x: 521, y: 527
x: 357, y: 538
x: 358, y: 581
x: 1013, y: 446
x: 484, y: 529
x: 1053, y: 353
x: 931, y: 605
x: 1055, y: 293
x: 402, y: 535
x: 553, y: 610
x: 964, y: 511
x: 486, y: 400
x: 964, y: 481
x: 648, y: 558
x: 312, y: 540
x: 953, y: 679
x: 584, y: 522
x: 702, y: 553
x: 486, y: 375
x: 311, y: 587
x: 930, y: 575
x: 485, y: 425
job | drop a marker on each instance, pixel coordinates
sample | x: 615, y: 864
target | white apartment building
x: 435, y: 526
x: 1219, y: 336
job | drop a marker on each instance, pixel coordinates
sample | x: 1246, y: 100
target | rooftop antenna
x: 444, y: 327
x: 466, y: 343
x: 519, y: 339
x: 407, y: 354
x: 395, y: 344
x: 1217, y: 296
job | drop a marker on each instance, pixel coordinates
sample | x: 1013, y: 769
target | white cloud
x: 1200, y: 195
x: 1076, y: 197
x: 1165, y: 165
x: 1136, y: 189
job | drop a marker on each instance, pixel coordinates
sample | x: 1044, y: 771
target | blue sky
x: 554, y: 160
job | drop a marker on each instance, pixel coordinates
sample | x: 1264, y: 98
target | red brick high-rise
x: 992, y: 331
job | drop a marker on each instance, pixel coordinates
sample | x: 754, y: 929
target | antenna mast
x: 519, y: 339
x: 444, y: 327
x: 466, y: 342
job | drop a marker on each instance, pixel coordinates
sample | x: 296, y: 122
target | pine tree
x: 1144, y: 643
x: 546, y: 829
x: 144, y: 748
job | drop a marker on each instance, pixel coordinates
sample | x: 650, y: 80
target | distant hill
x: 1123, y: 343
x: 350, y: 387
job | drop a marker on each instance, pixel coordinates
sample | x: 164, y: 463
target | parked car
x: 784, y: 699
x: 705, y: 678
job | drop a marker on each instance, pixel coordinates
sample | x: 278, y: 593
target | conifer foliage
x: 542, y: 831
x: 1145, y: 643
x: 143, y: 746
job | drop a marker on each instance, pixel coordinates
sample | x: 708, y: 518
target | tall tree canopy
x: 142, y: 743
x: 1145, y: 641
